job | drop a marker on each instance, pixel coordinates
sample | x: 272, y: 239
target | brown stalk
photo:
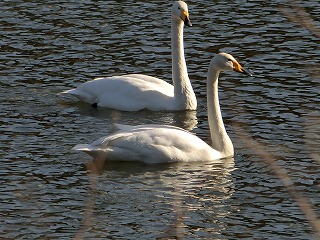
x: 303, y: 202
x: 297, y: 14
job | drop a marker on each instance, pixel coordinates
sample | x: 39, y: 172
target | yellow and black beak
x: 238, y: 68
x: 185, y: 18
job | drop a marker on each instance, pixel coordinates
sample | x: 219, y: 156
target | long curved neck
x: 183, y: 92
x: 220, y: 139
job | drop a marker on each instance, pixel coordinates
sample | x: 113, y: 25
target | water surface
x: 50, y: 47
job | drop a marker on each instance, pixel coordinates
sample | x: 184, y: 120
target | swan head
x: 225, y: 62
x: 180, y: 12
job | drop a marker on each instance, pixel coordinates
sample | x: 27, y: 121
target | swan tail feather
x: 81, y: 95
x: 83, y: 148
x: 88, y: 149
x: 123, y: 127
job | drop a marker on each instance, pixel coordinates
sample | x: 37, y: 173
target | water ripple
x: 50, y: 47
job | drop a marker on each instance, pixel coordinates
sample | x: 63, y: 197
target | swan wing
x: 128, y: 92
x: 150, y: 145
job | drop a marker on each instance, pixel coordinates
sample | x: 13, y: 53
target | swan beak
x: 185, y: 18
x: 238, y: 68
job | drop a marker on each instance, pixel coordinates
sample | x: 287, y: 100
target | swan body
x: 157, y: 94
x: 162, y: 143
x: 138, y: 91
x: 151, y: 144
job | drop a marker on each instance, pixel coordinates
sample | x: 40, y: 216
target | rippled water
x: 50, y: 47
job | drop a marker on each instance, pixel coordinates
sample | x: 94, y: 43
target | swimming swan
x: 134, y: 92
x: 161, y: 143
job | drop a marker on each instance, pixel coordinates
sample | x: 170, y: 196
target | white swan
x: 137, y: 91
x: 161, y: 143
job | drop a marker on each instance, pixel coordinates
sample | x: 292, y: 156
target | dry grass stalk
x: 176, y: 229
x: 93, y: 171
x: 297, y: 14
x: 303, y: 202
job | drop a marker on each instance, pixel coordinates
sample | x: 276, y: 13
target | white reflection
x: 187, y: 191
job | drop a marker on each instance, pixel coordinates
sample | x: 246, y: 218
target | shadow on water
x: 184, y: 119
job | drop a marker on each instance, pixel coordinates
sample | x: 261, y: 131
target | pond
x: 46, y: 189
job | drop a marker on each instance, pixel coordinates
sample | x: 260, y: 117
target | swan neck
x: 220, y: 139
x: 183, y: 92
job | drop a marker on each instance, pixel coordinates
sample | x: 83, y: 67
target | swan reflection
x: 166, y: 194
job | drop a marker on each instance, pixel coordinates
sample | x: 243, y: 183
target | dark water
x: 50, y: 47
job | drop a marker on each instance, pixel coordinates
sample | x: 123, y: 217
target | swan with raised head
x: 134, y: 92
x: 161, y: 143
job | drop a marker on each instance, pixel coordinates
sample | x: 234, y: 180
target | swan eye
x: 229, y: 60
x: 179, y: 8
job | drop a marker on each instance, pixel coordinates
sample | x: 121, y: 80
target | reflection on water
x: 49, y: 47
x: 184, y: 119
x: 173, y: 189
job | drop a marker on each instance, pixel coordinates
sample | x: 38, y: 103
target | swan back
x: 150, y: 144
